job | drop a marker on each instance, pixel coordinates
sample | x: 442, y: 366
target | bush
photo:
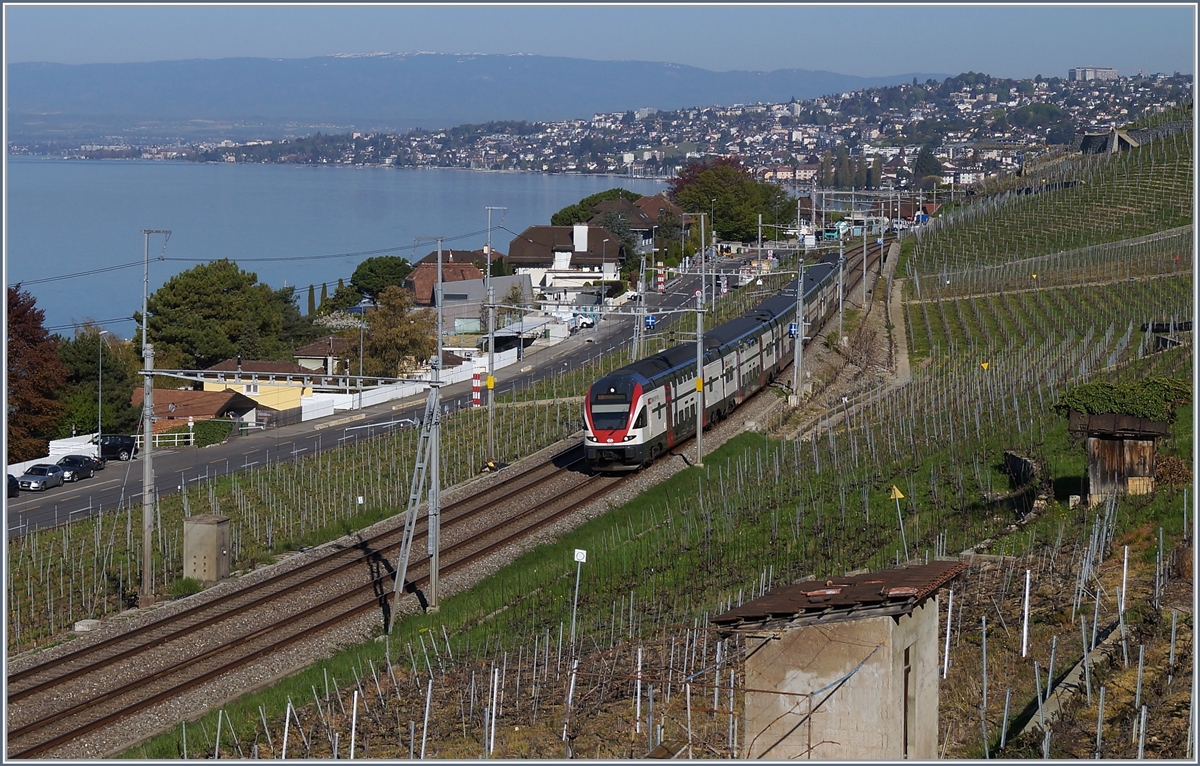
x: 209, y: 432
x: 1153, y: 398
x: 185, y: 586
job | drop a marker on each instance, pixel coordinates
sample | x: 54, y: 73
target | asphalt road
x: 121, y: 482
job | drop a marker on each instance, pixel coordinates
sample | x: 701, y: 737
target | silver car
x: 42, y: 476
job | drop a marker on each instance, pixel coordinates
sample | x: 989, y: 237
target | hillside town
x: 975, y: 125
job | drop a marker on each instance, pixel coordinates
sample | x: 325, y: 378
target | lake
x: 291, y: 225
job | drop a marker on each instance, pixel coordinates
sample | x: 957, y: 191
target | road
x: 121, y: 482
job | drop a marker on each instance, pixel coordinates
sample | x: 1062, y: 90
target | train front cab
x: 611, y: 442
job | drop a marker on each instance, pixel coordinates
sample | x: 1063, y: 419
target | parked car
x: 41, y: 477
x: 76, y: 467
x: 97, y: 463
x: 116, y: 446
x: 14, y: 486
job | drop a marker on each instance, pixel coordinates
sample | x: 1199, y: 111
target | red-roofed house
x: 174, y: 407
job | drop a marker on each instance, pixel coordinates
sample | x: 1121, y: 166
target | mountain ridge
x: 382, y: 91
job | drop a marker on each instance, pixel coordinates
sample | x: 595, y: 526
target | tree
x: 345, y: 297
x: 120, y: 364
x: 374, y: 274
x: 926, y: 164
x: 213, y: 312
x: 739, y: 200
x: 618, y: 225
x: 583, y: 210
x: 515, y: 299
x: 297, y: 329
x: 312, y: 301
x: 35, y: 376
x: 400, y: 338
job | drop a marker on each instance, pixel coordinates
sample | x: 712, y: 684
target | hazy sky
x: 1001, y: 40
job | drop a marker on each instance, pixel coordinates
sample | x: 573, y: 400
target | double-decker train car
x: 637, y: 412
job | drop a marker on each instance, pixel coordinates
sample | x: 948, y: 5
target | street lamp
x: 100, y: 383
x: 712, y: 219
x: 603, y: 287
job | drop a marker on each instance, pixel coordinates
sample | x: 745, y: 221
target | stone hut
x: 844, y: 668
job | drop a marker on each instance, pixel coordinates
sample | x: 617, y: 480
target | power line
x: 328, y: 256
x: 76, y: 274
x: 96, y: 322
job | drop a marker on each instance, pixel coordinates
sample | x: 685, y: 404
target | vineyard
x: 1089, y: 200
x: 1009, y: 304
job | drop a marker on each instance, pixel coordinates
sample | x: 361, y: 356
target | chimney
x: 581, y: 237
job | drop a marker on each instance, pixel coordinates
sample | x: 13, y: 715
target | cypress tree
x: 312, y: 299
x: 324, y: 293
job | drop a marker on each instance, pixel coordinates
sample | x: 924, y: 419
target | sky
x: 1016, y: 41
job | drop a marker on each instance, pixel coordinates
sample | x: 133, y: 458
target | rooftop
x: 875, y: 594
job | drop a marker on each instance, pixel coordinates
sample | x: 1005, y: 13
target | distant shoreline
x: 59, y: 158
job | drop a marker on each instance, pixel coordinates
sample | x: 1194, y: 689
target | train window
x: 641, y: 420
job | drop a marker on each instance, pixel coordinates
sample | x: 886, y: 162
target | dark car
x: 76, y: 467
x: 41, y: 477
x: 14, y: 486
x: 115, y: 446
x: 97, y: 463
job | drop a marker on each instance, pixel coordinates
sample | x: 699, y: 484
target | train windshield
x: 610, y: 400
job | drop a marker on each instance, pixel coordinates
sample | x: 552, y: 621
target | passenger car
x: 14, y: 486
x: 41, y: 477
x: 115, y: 446
x: 76, y: 467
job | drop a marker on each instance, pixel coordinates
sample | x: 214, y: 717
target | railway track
x: 167, y: 657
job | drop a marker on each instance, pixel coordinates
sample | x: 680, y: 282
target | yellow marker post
x: 896, y: 495
x: 491, y: 382
x: 700, y: 384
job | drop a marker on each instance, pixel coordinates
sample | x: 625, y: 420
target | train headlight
x: 629, y: 438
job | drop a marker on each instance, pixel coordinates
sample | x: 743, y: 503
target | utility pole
x: 100, y: 386
x: 435, y: 511
x: 427, y: 465
x: 841, y: 290
x: 797, y: 376
x: 864, y: 228
x: 491, y: 371
x: 638, y: 326
x: 146, y: 596
x: 699, y: 380
x: 603, y: 294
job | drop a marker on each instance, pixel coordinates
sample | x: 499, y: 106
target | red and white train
x: 638, y: 412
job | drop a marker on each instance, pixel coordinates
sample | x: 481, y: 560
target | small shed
x: 844, y: 668
x: 1120, y: 453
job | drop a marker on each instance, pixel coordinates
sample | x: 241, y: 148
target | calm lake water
x: 290, y: 225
